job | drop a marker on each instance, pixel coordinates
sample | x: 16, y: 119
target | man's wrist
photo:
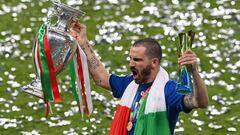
x: 194, y: 71
x: 83, y: 43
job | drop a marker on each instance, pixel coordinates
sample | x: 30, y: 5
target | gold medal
x: 129, y: 126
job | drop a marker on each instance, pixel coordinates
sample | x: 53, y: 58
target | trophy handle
x: 65, y: 15
x: 50, y: 14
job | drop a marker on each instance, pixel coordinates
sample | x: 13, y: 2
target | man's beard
x: 143, y: 75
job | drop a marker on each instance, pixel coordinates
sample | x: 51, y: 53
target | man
x: 149, y: 101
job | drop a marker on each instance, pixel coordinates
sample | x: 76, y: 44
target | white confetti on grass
x: 197, y: 122
x: 9, y: 123
x: 232, y: 129
x: 33, y: 132
x: 71, y: 131
x: 113, y: 34
x: 15, y: 109
x: 59, y: 123
x: 2, y: 99
x: 214, y: 125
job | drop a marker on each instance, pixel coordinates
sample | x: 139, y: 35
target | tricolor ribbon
x: 53, y: 79
x: 78, y: 71
x: 74, y: 78
x: 47, y: 72
x: 83, y: 82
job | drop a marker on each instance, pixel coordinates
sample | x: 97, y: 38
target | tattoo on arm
x: 94, y: 63
x: 188, y: 101
x: 99, y: 82
x: 91, y: 50
x: 83, y: 49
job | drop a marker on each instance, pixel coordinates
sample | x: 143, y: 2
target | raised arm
x: 96, y: 68
x: 199, y: 99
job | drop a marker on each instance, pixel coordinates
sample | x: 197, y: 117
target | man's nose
x: 131, y: 63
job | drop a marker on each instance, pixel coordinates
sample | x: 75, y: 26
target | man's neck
x: 152, y: 76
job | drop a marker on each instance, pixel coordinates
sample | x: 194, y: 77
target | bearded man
x: 150, y: 104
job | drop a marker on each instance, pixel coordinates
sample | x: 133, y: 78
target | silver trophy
x: 62, y: 45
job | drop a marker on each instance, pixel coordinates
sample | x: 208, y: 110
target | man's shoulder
x: 121, y: 78
x: 119, y: 83
x: 170, y: 87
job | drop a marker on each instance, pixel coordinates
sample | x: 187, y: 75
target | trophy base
x: 184, y: 90
x: 34, y: 88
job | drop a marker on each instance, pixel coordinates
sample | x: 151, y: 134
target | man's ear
x: 155, y: 62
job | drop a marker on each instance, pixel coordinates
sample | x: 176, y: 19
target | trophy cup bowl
x: 62, y: 45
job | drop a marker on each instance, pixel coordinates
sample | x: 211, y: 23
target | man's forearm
x: 200, y: 94
x: 92, y: 59
x: 199, y: 99
x: 96, y: 68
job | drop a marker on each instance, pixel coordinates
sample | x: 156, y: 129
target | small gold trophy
x: 184, y: 83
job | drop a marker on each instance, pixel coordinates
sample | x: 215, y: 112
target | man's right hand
x: 99, y: 74
x: 79, y: 32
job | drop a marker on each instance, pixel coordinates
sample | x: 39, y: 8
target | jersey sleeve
x: 119, y: 84
x: 174, y: 99
x: 174, y: 103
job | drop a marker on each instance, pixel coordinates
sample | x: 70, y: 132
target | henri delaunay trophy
x: 54, y: 49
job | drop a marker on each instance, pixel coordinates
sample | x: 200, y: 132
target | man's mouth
x: 134, y: 72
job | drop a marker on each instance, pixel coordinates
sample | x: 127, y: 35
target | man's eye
x: 136, y: 59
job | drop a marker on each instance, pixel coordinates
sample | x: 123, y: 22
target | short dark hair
x: 153, y: 48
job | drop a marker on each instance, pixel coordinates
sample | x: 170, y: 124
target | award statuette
x: 54, y: 49
x: 184, y: 83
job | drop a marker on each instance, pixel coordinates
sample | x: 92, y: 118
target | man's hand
x: 199, y: 99
x: 99, y: 74
x: 189, y: 59
x: 78, y: 31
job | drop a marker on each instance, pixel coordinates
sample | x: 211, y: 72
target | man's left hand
x: 189, y: 59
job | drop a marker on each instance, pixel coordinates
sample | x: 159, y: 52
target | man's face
x: 140, y: 64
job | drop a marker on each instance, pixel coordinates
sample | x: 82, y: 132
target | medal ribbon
x: 136, y: 106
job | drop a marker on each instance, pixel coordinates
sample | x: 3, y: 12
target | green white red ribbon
x: 74, y: 77
x: 83, y: 82
x: 78, y: 72
x: 86, y: 81
x: 48, y: 73
x: 53, y: 79
x: 81, y: 77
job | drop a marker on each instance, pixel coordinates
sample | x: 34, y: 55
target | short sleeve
x: 174, y: 103
x: 174, y: 99
x: 119, y: 84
